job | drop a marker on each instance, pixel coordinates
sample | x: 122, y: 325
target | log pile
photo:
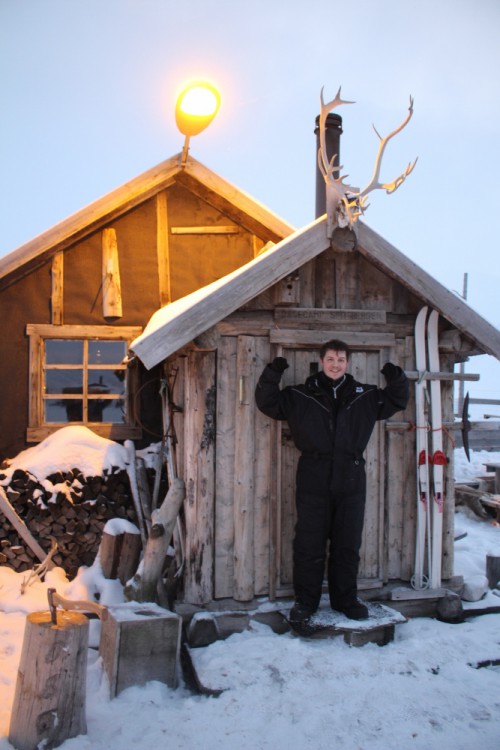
x: 68, y: 507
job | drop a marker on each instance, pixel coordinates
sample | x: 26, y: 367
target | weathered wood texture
x: 144, y: 586
x: 49, y: 702
x: 199, y: 463
x: 140, y: 643
x: 242, y: 472
x: 110, y: 276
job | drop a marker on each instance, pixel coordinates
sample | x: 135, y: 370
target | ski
x: 437, y: 459
x: 419, y: 579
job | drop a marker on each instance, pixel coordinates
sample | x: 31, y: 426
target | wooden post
x: 199, y: 471
x: 56, y: 298
x: 144, y: 586
x: 111, y: 284
x: 244, y: 499
x: 49, y: 702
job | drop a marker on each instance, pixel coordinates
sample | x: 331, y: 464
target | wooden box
x: 140, y: 643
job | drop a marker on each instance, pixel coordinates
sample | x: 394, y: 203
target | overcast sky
x: 88, y: 89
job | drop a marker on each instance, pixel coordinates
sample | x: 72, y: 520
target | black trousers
x: 330, y: 513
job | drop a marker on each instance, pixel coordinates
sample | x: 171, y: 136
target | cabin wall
x: 252, y: 516
x: 167, y: 246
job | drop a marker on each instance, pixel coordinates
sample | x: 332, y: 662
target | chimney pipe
x: 333, y: 130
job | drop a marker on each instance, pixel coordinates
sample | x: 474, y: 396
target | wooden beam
x: 57, y: 294
x: 391, y: 261
x: 162, y: 249
x: 111, y: 283
x: 303, y: 337
x: 212, y: 229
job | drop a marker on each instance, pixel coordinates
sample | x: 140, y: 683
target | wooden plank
x: 111, y: 283
x: 347, y: 281
x: 328, y: 317
x: 183, y: 320
x: 162, y: 249
x: 410, y: 478
x: 199, y: 449
x: 211, y: 229
x: 263, y: 478
x: 358, y: 340
x: 325, y: 293
x: 47, y: 330
x: 224, y: 467
x: 447, y: 401
x: 244, y: 460
x: 57, y: 293
x: 395, y: 490
x: 385, y: 256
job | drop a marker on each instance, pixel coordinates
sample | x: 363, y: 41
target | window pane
x: 107, y: 352
x: 107, y: 381
x: 114, y: 411
x: 63, y: 381
x: 63, y: 410
x: 63, y: 352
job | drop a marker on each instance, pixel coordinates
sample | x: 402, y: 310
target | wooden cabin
x: 73, y: 298
x: 203, y: 285
x: 239, y: 465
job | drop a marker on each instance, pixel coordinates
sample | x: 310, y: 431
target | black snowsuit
x: 331, y: 428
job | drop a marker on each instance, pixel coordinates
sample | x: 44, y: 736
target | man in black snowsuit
x: 331, y: 418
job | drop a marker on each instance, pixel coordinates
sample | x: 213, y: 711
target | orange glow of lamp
x: 196, y: 107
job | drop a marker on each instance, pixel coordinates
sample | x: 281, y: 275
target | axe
x: 56, y: 600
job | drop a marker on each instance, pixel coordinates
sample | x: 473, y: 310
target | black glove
x: 279, y: 364
x: 390, y: 372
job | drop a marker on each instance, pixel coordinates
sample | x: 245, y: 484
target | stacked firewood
x: 66, y: 507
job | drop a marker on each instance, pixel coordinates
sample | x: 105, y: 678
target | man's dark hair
x: 337, y: 346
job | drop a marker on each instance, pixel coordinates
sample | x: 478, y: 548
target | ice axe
x: 466, y: 426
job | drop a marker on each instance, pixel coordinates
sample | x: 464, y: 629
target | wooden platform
x: 378, y: 628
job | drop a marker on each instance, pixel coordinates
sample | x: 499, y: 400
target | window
x: 79, y: 375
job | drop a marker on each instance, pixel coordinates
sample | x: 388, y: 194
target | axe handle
x: 56, y: 600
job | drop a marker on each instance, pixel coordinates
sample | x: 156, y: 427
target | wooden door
x: 365, y: 367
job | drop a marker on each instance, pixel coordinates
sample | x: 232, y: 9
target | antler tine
x: 326, y: 165
x: 375, y: 183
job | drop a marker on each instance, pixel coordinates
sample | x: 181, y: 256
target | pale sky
x: 88, y: 90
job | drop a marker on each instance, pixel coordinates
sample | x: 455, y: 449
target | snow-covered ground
x: 422, y: 691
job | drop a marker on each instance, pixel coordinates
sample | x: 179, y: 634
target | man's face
x: 334, y: 364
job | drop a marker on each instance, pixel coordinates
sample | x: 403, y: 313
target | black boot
x: 353, y: 609
x: 299, y: 618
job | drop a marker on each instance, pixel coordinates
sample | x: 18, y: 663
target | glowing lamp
x: 196, y: 107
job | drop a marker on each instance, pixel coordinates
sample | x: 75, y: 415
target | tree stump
x: 49, y: 702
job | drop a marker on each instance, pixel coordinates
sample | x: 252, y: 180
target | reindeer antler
x: 375, y: 184
x: 326, y: 165
x: 344, y: 204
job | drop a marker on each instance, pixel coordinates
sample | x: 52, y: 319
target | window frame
x: 38, y: 429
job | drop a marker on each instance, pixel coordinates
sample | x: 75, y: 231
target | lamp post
x: 195, y: 108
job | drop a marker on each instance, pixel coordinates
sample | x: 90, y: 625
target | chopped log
x: 119, y: 554
x: 49, y: 702
x: 143, y: 587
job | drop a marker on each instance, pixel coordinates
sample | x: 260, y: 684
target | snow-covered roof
x: 173, y: 326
